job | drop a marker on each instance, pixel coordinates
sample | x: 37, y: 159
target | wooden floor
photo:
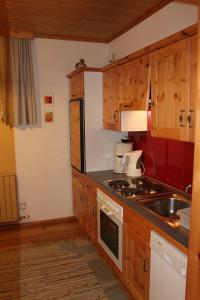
x: 40, y: 232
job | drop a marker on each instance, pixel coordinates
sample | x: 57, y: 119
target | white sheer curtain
x: 17, y: 90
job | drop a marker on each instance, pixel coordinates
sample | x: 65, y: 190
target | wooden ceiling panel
x: 89, y: 20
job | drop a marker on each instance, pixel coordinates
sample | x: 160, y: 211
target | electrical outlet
x: 22, y: 205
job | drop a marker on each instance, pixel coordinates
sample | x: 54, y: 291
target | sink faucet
x: 188, y: 187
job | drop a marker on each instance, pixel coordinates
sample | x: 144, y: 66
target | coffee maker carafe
x: 120, y: 149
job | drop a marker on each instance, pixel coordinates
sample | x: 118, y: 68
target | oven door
x: 110, y: 235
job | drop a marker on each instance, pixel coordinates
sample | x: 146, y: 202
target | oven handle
x: 106, y: 211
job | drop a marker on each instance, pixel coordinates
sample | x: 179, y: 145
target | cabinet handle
x: 181, y: 118
x: 114, y: 116
x: 82, y: 199
x: 189, y: 118
x: 145, y: 266
x: 94, y: 211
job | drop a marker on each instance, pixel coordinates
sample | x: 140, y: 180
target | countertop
x: 180, y: 234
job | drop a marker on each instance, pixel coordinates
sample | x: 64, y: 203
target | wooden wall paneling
x: 75, y: 146
x: 193, y: 274
x: 193, y: 87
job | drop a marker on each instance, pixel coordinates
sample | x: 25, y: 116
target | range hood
x: 134, y: 120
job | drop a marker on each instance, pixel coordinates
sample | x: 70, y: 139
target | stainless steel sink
x: 166, y: 206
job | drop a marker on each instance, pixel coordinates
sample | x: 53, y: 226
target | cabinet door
x: 78, y: 200
x: 134, y: 84
x: 170, y: 70
x: 136, y: 253
x: 75, y: 134
x: 111, y: 115
x: 77, y: 86
x: 193, y: 87
x: 91, y: 216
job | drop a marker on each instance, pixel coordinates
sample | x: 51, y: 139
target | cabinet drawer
x: 138, y: 224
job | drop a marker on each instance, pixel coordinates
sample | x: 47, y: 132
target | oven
x: 110, y: 227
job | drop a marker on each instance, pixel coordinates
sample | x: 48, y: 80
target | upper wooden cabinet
x: 111, y: 114
x: 134, y: 84
x: 173, y: 75
x: 77, y: 86
x: 125, y: 87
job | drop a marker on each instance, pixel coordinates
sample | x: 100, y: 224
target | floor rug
x: 66, y: 270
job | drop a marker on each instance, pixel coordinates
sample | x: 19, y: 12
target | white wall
x: 170, y: 19
x: 42, y: 154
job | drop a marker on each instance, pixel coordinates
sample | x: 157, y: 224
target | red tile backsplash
x: 166, y: 160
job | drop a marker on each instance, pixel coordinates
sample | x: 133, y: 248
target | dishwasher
x: 167, y: 270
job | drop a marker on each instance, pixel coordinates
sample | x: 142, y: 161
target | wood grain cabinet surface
x: 173, y: 76
x: 85, y: 203
x: 125, y: 88
x: 75, y: 134
x: 136, y: 256
x: 134, y: 84
x: 76, y: 84
x: 78, y: 197
x: 111, y: 84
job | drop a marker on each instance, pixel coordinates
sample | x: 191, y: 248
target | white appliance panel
x: 168, y: 270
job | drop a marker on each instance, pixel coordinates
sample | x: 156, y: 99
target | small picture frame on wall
x: 48, y: 99
x: 49, y: 116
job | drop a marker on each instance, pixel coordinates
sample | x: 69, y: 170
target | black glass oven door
x: 109, y: 233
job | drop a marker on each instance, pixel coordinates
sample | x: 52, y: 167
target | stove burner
x: 153, y: 188
x: 118, y: 184
x: 131, y: 192
x: 138, y: 181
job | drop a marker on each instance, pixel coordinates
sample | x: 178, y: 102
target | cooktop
x: 136, y: 188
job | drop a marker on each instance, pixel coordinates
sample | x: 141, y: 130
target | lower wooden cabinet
x: 85, y: 203
x: 78, y: 199
x: 91, y: 216
x: 136, y: 234
x: 136, y: 255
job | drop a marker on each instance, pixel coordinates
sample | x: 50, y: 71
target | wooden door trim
x: 193, y: 275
